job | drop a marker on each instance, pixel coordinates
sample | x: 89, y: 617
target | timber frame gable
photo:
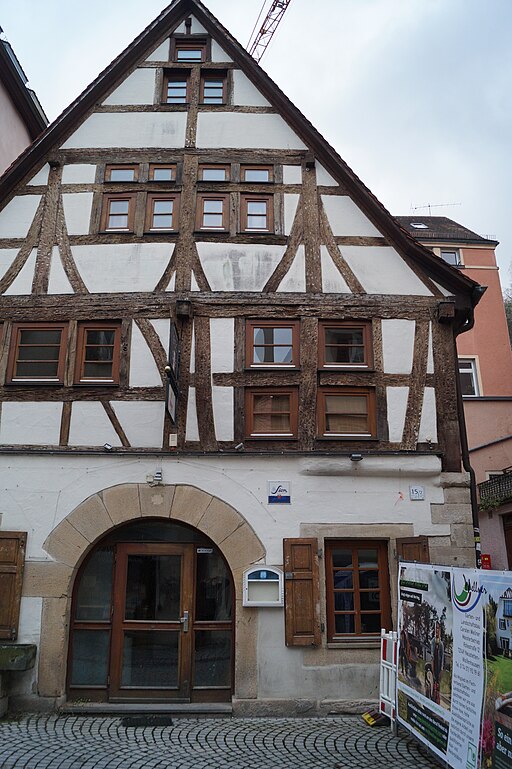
x: 417, y: 256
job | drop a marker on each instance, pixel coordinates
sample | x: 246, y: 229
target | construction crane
x: 260, y: 38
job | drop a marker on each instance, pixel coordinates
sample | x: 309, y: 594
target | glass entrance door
x: 151, y: 638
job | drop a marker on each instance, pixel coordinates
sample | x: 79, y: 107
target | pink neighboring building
x: 21, y: 116
x: 485, y: 365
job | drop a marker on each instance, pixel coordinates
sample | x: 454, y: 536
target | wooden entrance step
x: 149, y: 711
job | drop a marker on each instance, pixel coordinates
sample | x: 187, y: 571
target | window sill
x: 364, y: 643
x: 346, y: 369
x: 269, y: 367
x: 34, y: 383
x: 271, y: 437
x: 351, y: 438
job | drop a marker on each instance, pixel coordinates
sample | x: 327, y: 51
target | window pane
x: 40, y: 353
x: 118, y: 222
x: 342, y: 558
x: 213, y: 589
x: 256, y: 222
x: 212, y: 658
x: 271, y: 403
x: 371, y: 623
x: 163, y: 174
x: 177, y: 92
x: 94, y: 593
x: 344, y: 623
x: 272, y: 423
x: 256, y: 207
x: 189, y: 54
x: 343, y: 580
x: 367, y: 558
x: 370, y: 601
x: 119, y: 206
x: 37, y: 370
x: 213, y: 174
x: 99, y: 353
x: 257, y: 175
x: 344, y: 601
x: 89, y: 663
x: 153, y: 587
x: 213, y: 206
x: 162, y: 206
x: 103, y: 336
x: 344, y: 336
x: 345, y: 404
x: 150, y: 659
x: 40, y: 336
x: 339, y: 423
x: 451, y: 256
x: 122, y: 174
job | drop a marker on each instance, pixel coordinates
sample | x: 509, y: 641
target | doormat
x: 134, y: 722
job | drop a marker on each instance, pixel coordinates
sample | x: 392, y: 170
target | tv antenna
x: 430, y: 206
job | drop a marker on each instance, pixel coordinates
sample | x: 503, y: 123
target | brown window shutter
x: 413, y: 549
x: 12, y: 562
x: 302, y: 592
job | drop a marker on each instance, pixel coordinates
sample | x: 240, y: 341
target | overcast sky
x: 415, y: 95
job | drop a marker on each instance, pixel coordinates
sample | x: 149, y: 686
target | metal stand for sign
x: 388, y: 673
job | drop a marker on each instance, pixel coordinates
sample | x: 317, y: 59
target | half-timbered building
x: 229, y: 399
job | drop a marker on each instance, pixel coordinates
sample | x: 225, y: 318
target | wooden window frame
x: 201, y: 198
x: 13, y: 354
x: 214, y: 166
x: 190, y: 43
x: 347, y: 391
x: 366, y: 327
x: 80, y: 353
x: 249, y: 343
x: 124, y: 167
x: 151, y: 198
x: 385, y: 604
x: 250, y: 394
x: 169, y: 75
x: 246, y: 198
x: 156, y: 166
x: 131, y: 197
x: 217, y: 75
x: 256, y: 167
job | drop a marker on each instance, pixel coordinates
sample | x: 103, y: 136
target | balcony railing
x: 496, y: 491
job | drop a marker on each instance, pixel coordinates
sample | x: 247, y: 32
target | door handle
x: 184, y: 621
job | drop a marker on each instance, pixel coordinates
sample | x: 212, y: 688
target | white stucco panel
x: 428, y: 423
x: 397, y: 406
x: 193, y: 350
x: 196, y: 28
x: 194, y: 286
x: 137, y: 88
x: 79, y: 173
x: 290, y: 209
x: 238, y: 267
x: 430, y: 358
x: 172, y: 283
x: 219, y: 54
x: 192, y: 430
x: 125, y: 267
x: 222, y: 342
x: 33, y: 424
x: 77, y: 212
x: 7, y: 257
x: 161, y: 52
x: 143, y: 369
x: 22, y: 284
x: 90, y: 425
x: 324, y: 178
x: 30, y: 621
x: 130, y: 129
x: 346, y: 218
x: 332, y: 279
x: 442, y: 289
x: 162, y: 327
x: 241, y: 129
x: 222, y: 399
x: 58, y: 282
x: 245, y: 93
x: 142, y: 422
x: 17, y: 216
x: 41, y: 177
x: 381, y: 270
x: 398, y: 346
x: 292, y: 175
x: 295, y: 278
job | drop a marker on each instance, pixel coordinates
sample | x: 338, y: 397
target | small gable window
x: 257, y: 213
x: 214, y: 173
x: 345, y: 344
x: 272, y: 343
x: 213, y: 88
x: 121, y: 173
x: 346, y: 412
x: 162, y: 212
x: 192, y: 50
x: 176, y: 87
x: 118, y: 213
x: 271, y: 412
x: 451, y: 256
x: 98, y: 353
x: 256, y: 174
x: 38, y: 353
x: 212, y: 212
x: 162, y: 173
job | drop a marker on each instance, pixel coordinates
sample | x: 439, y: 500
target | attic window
x: 419, y: 226
x: 189, y: 50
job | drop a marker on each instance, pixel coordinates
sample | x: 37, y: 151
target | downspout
x: 477, y: 294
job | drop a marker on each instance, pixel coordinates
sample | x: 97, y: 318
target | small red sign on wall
x: 486, y: 561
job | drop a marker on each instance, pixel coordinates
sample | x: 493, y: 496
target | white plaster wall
x: 442, y: 289
x: 41, y: 177
x: 161, y: 53
x: 193, y: 350
x: 381, y: 270
x: 324, y: 178
x: 194, y: 286
x: 290, y: 209
x: 222, y: 399
x: 130, y: 129
x: 162, y: 327
x: 172, y: 283
x: 137, y: 88
x: 346, y: 218
x: 22, y: 283
x: 218, y: 53
x: 245, y: 93
x: 397, y: 406
x: 142, y: 422
x: 58, y: 282
x: 222, y: 336
x: 238, y: 267
x: 240, y: 129
x: 430, y: 358
x: 332, y: 279
x: 143, y: 369
x: 7, y: 257
x: 79, y: 173
x: 295, y: 278
x: 192, y: 430
x: 125, y: 267
x: 292, y: 175
x: 32, y: 424
x: 17, y: 216
x: 398, y: 345
x: 90, y: 425
x: 77, y: 212
x: 428, y: 424
x: 196, y: 28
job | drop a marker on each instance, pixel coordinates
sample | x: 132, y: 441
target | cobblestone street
x: 71, y: 742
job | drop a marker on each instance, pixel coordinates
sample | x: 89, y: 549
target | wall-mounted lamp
x: 356, y: 457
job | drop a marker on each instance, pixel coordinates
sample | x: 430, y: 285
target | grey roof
x: 440, y: 228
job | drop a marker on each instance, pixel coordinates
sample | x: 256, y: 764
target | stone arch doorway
x: 75, y: 537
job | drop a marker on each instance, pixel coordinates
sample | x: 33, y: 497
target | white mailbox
x: 263, y: 586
